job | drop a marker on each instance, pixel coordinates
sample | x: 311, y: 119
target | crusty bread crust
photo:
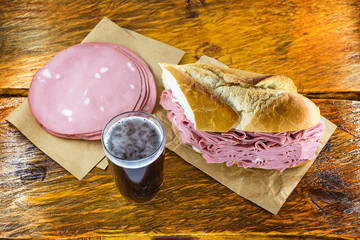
x: 264, y: 103
x: 210, y: 113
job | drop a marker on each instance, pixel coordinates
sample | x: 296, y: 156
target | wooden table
x: 316, y: 43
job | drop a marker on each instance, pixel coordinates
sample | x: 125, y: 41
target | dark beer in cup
x: 134, y: 144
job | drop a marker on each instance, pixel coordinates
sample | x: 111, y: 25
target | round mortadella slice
x: 147, y: 100
x: 82, y: 87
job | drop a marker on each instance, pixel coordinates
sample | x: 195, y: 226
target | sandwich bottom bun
x: 300, y: 164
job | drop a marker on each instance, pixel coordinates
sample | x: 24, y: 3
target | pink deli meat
x: 147, y: 98
x: 246, y: 149
x: 82, y: 87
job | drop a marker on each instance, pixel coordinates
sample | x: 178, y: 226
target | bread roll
x: 204, y: 109
x: 218, y: 99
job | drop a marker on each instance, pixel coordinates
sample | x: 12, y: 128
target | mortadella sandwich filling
x: 246, y: 149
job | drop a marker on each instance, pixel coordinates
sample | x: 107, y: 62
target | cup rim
x: 135, y: 161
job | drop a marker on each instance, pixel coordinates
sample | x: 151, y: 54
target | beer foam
x: 132, y: 139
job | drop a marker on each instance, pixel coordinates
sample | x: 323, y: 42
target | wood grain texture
x: 316, y: 43
x: 41, y: 200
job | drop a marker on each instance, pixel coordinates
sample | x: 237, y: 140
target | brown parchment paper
x: 79, y: 156
x: 268, y: 189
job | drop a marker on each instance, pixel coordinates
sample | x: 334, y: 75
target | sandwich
x: 239, y: 118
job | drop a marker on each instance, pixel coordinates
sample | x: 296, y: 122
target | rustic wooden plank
x: 333, y: 95
x: 23, y: 92
x: 314, y: 42
x: 41, y: 200
x: 345, y: 114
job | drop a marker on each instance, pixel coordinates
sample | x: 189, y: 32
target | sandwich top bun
x: 204, y: 109
x: 218, y: 99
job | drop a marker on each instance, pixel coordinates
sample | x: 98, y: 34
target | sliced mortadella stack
x: 82, y: 87
x: 264, y: 150
x: 146, y: 101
